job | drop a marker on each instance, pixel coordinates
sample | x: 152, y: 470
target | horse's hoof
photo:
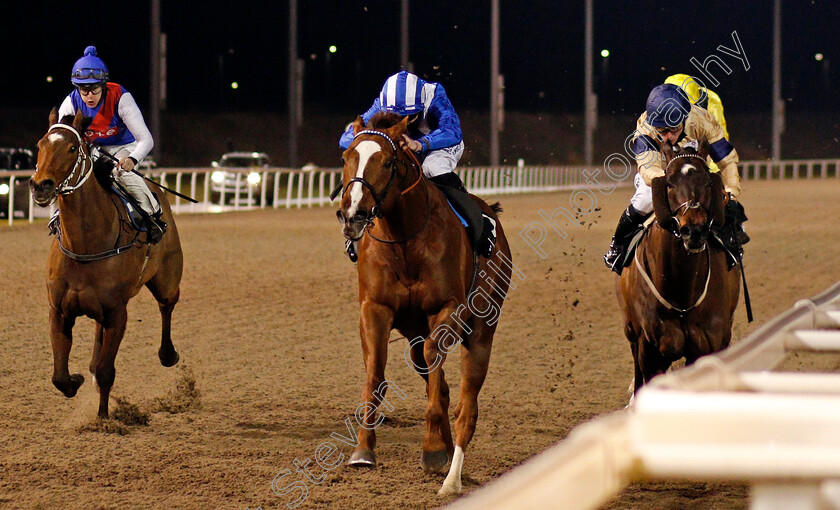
x: 70, y: 386
x: 362, y: 458
x: 449, y: 489
x: 168, y: 359
x: 434, y: 461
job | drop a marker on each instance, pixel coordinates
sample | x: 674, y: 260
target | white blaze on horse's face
x: 365, y: 149
x: 688, y: 167
x: 55, y: 137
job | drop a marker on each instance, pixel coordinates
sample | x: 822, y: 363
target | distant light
x: 234, y: 85
x: 49, y: 79
x: 4, y: 189
x: 605, y: 53
x: 313, y: 56
x: 254, y: 178
x: 818, y: 57
x: 218, y: 176
x: 333, y: 48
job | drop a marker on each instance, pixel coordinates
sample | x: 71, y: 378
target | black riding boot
x: 732, y: 233
x: 481, y: 228
x: 628, y: 224
x: 156, y: 227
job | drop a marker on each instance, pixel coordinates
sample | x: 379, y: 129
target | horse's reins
x: 662, y: 300
x: 376, y: 210
x: 81, y: 160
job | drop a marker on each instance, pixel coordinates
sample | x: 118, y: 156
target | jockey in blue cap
x: 670, y: 117
x: 435, y: 136
x: 117, y: 126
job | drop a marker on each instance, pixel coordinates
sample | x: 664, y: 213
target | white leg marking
x: 365, y: 149
x: 452, y: 484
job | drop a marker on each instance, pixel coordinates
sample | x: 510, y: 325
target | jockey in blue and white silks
x: 117, y: 127
x: 437, y: 128
x: 435, y: 136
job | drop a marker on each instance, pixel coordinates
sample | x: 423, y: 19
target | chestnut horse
x: 678, y: 299
x: 96, y: 263
x: 419, y: 275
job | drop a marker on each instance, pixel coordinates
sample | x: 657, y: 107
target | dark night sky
x: 541, y: 51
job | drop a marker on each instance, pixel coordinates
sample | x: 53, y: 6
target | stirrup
x: 156, y: 228
x: 350, y: 248
x: 488, y: 241
x: 614, y: 255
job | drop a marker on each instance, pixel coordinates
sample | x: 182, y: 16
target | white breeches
x: 642, y: 200
x: 133, y: 183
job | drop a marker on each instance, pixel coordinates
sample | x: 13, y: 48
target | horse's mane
x: 384, y: 120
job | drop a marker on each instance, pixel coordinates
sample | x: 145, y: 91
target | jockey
x: 435, y: 136
x: 118, y: 128
x: 671, y: 117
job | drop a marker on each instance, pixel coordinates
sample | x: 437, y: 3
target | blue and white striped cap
x: 404, y: 94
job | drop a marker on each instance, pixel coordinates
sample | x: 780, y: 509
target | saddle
x: 136, y: 216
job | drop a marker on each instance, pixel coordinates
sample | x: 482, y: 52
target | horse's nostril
x: 685, y: 231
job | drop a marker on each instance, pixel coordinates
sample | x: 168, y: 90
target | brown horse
x: 96, y: 263
x: 678, y: 298
x: 419, y: 275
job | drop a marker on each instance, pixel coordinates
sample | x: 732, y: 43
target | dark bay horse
x: 96, y: 263
x: 419, y: 275
x: 678, y: 299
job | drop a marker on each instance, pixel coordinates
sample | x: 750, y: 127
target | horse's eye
x: 73, y: 148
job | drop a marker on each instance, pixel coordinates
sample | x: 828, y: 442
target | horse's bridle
x: 376, y: 210
x: 688, y: 204
x: 82, y: 160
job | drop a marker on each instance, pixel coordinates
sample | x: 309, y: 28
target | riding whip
x: 113, y: 158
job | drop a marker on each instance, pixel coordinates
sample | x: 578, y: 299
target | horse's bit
x: 82, y: 160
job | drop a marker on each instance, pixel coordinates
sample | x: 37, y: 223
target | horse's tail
x: 496, y: 207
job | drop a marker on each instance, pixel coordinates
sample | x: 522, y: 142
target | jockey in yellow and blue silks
x: 670, y: 116
x: 117, y: 126
x: 435, y: 136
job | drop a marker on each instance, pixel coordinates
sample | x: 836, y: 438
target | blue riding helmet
x: 89, y: 69
x: 403, y: 94
x: 667, y: 106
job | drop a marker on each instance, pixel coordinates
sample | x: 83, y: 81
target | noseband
x: 82, y: 160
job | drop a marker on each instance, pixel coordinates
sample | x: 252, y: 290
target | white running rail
x: 727, y: 417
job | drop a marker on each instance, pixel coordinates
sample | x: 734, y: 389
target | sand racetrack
x: 271, y: 363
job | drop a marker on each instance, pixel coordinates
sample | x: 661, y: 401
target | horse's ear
x: 400, y: 128
x: 661, y: 207
x: 358, y: 125
x: 703, y: 149
x: 668, y: 151
x: 53, y: 116
x: 78, y: 119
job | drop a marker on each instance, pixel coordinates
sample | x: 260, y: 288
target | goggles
x: 86, y: 91
x: 664, y: 130
x: 96, y: 74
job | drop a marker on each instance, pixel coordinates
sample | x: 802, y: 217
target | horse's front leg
x: 113, y: 326
x: 375, y: 328
x: 61, y: 336
x: 444, y: 338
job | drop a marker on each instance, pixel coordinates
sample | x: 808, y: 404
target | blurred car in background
x: 15, y: 159
x: 225, y: 181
